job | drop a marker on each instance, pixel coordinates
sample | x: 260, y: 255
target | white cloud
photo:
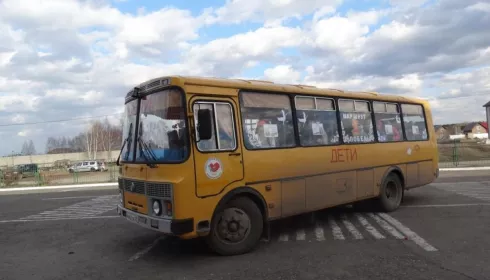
x: 410, y: 85
x: 231, y: 55
x: 236, y: 11
x: 283, y: 74
x: 480, y: 6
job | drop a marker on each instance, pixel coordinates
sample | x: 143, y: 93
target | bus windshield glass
x: 129, y: 125
x: 162, y: 135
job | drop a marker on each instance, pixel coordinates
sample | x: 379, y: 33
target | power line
x: 56, y: 121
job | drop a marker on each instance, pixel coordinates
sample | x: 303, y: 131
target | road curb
x: 80, y: 186
x: 465, y: 168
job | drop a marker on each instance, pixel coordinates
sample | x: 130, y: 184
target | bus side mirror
x: 204, y: 124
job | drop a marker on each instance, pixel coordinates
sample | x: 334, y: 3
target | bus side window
x: 267, y: 121
x: 388, y: 122
x: 222, y: 116
x: 356, y: 121
x: 414, y: 122
x: 317, y: 121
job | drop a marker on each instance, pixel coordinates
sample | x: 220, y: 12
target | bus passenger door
x: 218, y: 160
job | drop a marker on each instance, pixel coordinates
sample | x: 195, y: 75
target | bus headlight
x: 157, y: 207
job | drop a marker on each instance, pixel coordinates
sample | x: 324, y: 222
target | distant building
x: 472, y: 129
x: 447, y: 131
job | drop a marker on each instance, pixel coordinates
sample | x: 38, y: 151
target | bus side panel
x: 365, y: 183
x: 272, y: 193
x: 426, y: 172
x: 330, y: 190
x: 412, y: 175
x: 293, y: 197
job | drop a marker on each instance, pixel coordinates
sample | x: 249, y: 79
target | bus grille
x: 163, y: 190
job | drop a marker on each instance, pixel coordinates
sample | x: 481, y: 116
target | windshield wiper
x: 126, y: 141
x: 145, y: 148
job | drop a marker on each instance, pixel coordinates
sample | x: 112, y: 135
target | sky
x: 68, y: 59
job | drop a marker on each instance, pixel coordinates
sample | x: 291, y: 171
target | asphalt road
x: 440, y: 232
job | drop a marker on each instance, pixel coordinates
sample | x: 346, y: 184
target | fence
x: 463, y: 154
x: 49, y: 174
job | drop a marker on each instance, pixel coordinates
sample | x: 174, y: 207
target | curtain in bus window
x: 268, y: 121
x: 388, y: 122
x: 317, y: 121
x: 414, y: 122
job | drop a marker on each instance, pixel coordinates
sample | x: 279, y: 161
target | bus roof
x: 260, y: 85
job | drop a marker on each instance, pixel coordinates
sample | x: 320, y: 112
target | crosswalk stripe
x: 300, y: 234
x: 351, y: 228
x: 336, y: 230
x: 320, y: 236
x: 473, y: 190
x: 408, y: 232
x: 372, y: 230
x: 283, y: 237
x: 386, y: 226
x: 87, y: 208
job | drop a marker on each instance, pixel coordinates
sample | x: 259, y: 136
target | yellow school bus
x: 221, y: 158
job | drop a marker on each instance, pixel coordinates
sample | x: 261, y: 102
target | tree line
x: 99, y: 136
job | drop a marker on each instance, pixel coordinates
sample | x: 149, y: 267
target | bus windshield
x: 161, y: 133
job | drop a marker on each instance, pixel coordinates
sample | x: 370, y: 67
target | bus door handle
x: 234, y: 154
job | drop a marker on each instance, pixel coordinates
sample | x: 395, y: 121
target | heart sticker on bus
x: 213, y: 168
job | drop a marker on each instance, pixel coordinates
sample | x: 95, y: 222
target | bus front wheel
x: 236, y: 227
x: 391, y: 193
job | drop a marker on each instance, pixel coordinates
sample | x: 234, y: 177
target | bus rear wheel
x: 236, y: 227
x: 390, y: 194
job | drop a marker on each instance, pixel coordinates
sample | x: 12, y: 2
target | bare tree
x: 28, y: 148
x: 99, y: 136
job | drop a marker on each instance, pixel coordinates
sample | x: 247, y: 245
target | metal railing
x: 47, y: 175
x: 464, y: 154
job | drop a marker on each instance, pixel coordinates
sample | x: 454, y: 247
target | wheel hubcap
x: 391, y: 191
x: 233, y: 226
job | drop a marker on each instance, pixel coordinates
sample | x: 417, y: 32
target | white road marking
x: 477, y: 190
x: 465, y: 168
x: 408, y: 232
x: 146, y: 250
x: 57, y: 219
x: 386, y: 226
x: 300, y: 234
x: 336, y: 231
x: 284, y: 237
x: 320, y: 236
x: 87, y: 208
x: 445, y: 205
x: 60, y: 187
x: 351, y: 228
x: 372, y: 230
x: 69, y: 197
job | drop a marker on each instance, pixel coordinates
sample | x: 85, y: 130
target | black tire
x: 92, y: 169
x: 242, y: 206
x: 390, y: 194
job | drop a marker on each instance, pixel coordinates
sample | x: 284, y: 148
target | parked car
x: 87, y: 166
x: 26, y: 170
x: 102, y: 166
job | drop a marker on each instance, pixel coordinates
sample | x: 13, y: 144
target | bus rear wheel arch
x: 236, y: 227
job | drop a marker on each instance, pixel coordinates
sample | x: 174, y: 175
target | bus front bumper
x: 167, y: 226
